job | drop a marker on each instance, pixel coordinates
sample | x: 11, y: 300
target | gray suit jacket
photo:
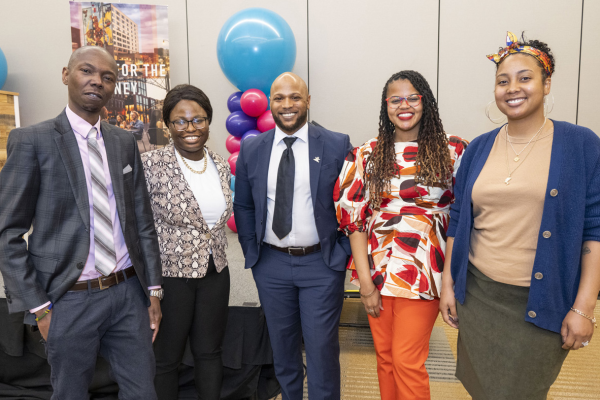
x: 43, y: 184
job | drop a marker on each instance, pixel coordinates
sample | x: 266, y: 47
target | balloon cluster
x: 249, y: 118
x: 254, y: 46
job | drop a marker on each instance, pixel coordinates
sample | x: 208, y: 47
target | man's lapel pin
x: 317, y: 159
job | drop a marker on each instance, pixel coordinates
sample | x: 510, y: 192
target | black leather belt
x: 104, y: 282
x: 296, y: 251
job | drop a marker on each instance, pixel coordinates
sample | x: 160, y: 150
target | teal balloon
x: 232, y: 186
x: 255, y: 46
x: 3, y: 69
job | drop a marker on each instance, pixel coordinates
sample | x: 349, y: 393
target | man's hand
x: 155, y: 315
x: 44, y: 323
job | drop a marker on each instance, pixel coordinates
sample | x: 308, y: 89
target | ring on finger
x: 370, y: 310
x: 585, y: 343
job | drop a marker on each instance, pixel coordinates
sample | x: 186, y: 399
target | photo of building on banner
x: 137, y: 36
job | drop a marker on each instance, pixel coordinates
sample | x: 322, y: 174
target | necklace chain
x: 509, y: 177
x: 190, y: 168
x: 516, y: 159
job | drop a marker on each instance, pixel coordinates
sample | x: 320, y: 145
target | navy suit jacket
x: 250, y: 203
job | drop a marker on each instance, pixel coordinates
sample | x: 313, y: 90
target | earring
x: 487, y: 113
x: 548, y: 108
x: 170, y: 137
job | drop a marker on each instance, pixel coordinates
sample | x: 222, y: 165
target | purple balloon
x: 238, y: 123
x: 250, y: 133
x: 233, y: 102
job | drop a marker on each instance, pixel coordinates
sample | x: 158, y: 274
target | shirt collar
x: 80, y: 126
x: 301, y: 134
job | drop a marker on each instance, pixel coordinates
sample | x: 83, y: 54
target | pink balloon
x: 232, y: 160
x: 231, y: 224
x: 233, y: 143
x: 254, y: 102
x: 265, y: 121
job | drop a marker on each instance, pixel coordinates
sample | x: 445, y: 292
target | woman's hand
x: 575, y: 331
x: 448, y: 306
x: 372, y: 302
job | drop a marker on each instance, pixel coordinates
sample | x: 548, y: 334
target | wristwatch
x: 160, y: 293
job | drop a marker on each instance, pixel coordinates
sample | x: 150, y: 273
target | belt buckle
x: 100, y: 283
x: 290, y: 249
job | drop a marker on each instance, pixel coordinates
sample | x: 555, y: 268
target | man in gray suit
x: 91, y: 274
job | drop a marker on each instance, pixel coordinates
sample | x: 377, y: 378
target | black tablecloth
x: 247, y: 360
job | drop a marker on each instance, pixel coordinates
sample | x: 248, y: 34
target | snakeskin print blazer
x: 183, y: 236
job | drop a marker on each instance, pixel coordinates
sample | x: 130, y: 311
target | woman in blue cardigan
x: 523, y: 251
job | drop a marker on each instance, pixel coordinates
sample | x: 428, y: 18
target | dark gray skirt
x: 500, y: 355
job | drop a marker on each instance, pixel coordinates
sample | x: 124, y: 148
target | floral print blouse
x: 407, y: 236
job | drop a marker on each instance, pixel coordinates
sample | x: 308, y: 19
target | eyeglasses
x: 183, y: 124
x: 396, y: 101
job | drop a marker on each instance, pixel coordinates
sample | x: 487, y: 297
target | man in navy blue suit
x: 286, y: 222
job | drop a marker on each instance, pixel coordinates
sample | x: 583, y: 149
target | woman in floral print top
x: 393, y: 200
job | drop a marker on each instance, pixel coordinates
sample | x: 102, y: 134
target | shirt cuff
x: 34, y: 310
x: 154, y: 287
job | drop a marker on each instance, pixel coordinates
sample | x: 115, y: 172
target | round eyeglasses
x: 183, y: 124
x: 396, y: 101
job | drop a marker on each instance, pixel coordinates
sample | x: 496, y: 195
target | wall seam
x: 187, y: 35
x: 437, y: 88
x: 308, y: 51
x: 579, y: 71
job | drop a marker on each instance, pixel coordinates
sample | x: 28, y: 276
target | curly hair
x: 541, y: 46
x: 433, y: 164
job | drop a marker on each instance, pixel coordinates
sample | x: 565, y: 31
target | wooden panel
x: 7, y: 122
x: 471, y: 29
x: 589, y: 84
x: 355, y: 46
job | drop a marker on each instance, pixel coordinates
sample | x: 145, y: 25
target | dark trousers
x: 302, y: 297
x: 194, y: 308
x: 114, y: 322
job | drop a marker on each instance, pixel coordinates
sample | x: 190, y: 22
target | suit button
x: 9, y: 301
x: 546, y: 234
x: 532, y: 314
x: 554, y: 193
x: 80, y: 265
x: 538, y: 275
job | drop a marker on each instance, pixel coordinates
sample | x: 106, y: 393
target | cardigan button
x: 538, y: 275
x: 554, y: 193
x: 546, y: 234
x: 532, y: 314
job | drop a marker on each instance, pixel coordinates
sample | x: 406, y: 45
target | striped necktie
x: 106, y: 258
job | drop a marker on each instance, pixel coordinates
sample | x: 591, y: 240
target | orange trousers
x: 401, y: 336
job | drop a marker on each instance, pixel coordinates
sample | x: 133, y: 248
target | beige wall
x: 355, y: 46
x: 469, y: 30
x: 348, y: 49
x: 589, y: 87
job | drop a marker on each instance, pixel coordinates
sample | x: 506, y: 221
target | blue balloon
x: 250, y: 133
x: 238, y: 123
x: 233, y: 102
x: 255, y: 46
x: 232, y: 183
x: 3, y: 69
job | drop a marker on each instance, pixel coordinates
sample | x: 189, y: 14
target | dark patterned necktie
x: 284, y: 192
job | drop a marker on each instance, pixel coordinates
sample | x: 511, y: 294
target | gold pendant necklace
x: 516, y: 159
x: 509, y: 177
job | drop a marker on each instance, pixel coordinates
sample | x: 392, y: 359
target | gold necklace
x: 507, y: 180
x: 516, y: 159
x: 190, y: 168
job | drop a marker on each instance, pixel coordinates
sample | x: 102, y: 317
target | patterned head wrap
x: 512, y: 47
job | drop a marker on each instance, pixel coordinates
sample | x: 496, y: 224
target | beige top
x: 507, y: 218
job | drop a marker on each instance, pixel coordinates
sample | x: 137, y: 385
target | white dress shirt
x: 304, y: 230
x: 206, y: 188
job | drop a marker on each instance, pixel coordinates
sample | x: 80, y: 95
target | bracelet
x: 368, y: 295
x: 592, y: 319
x: 38, y: 319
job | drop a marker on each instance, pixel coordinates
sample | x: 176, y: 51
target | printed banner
x: 137, y: 35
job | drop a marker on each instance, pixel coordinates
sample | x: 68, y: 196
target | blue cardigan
x: 572, y: 216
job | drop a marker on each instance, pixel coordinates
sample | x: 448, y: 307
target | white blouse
x: 206, y: 188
